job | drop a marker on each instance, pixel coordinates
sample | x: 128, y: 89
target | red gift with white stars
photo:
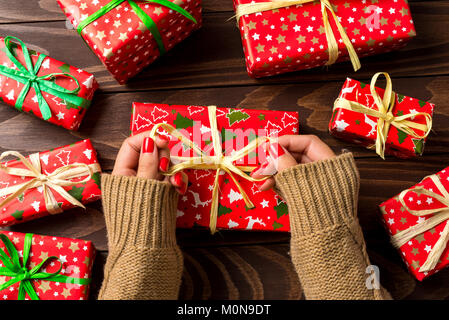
x: 32, y: 204
x: 237, y: 127
x: 122, y: 41
x: 293, y: 38
x: 63, y: 113
x: 74, y: 256
x: 361, y: 129
x: 397, y: 218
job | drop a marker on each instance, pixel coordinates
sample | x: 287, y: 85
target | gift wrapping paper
x: 237, y: 128
x: 120, y: 39
x: 293, y: 38
x: 396, y: 218
x: 31, y: 204
x: 361, y: 129
x: 64, y: 113
x: 76, y: 256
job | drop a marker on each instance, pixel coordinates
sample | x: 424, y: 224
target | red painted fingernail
x: 276, y: 150
x: 164, y: 137
x: 163, y: 164
x: 148, y: 145
x: 260, y: 167
x: 182, y: 186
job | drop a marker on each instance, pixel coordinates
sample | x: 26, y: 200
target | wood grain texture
x: 239, y: 264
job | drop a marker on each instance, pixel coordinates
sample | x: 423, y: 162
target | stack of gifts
x: 284, y: 36
x: 199, y: 134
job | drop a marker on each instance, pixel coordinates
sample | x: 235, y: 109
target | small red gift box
x: 238, y: 127
x: 417, y: 220
x: 48, y: 182
x: 294, y: 38
x: 132, y: 34
x: 37, y: 84
x: 361, y: 128
x: 65, y: 272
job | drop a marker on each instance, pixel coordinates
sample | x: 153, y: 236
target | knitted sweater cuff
x: 320, y: 194
x: 139, y: 212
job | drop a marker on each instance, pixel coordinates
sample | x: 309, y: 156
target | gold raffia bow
x: 385, y: 116
x: 218, y: 161
x: 54, y: 181
x: 440, y: 215
x: 249, y: 8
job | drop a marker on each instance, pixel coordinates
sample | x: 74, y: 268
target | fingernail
x: 182, y: 186
x: 148, y: 145
x: 164, y: 137
x: 163, y: 164
x: 276, y: 150
x: 260, y: 167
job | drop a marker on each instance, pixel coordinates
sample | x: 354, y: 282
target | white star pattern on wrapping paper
x: 264, y: 203
x: 10, y: 95
x: 390, y: 221
x: 341, y: 125
x: 60, y: 115
x: 428, y: 248
x: 63, y: 258
x: 198, y: 217
x: 429, y: 200
x: 420, y: 220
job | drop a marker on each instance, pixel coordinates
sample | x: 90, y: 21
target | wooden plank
x: 198, y: 62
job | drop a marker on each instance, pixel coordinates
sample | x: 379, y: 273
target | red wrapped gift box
x: 121, y: 39
x: 361, y: 129
x: 75, y: 257
x: 32, y: 204
x: 237, y: 127
x: 293, y: 38
x: 425, y: 203
x: 66, y: 110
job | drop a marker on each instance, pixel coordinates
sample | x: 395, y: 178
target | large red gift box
x: 32, y: 204
x: 361, y: 129
x: 75, y: 257
x: 397, y: 217
x: 66, y: 110
x: 237, y: 127
x: 293, y: 38
x: 122, y: 41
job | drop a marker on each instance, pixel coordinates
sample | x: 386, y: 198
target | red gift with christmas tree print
x: 381, y: 119
x: 129, y: 35
x: 417, y: 221
x: 283, y: 36
x: 48, y: 182
x: 235, y: 130
x: 35, y: 83
x: 40, y: 267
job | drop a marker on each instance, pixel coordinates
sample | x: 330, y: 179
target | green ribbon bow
x: 146, y: 19
x: 27, y: 76
x: 19, y: 273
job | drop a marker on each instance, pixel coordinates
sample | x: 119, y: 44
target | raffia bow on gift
x: 50, y: 182
x: 218, y: 161
x: 145, y: 18
x: 28, y: 76
x: 385, y: 115
x: 250, y: 8
x: 20, y: 273
x: 440, y: 215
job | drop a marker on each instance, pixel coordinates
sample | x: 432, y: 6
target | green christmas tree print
x: 65, y: 68
x: 418, y: 146
x: 76, y: 192
x: 277, y: 225
x: 281, y: 209
x: 400, y: 97
x: 97, y: 179
x: 236, y: 116
x: 422, y: 103
x: 401, y: 136
x: 222, y: 210
x: 17, y: 214
x: 20, y: 197
x: 182, y: 122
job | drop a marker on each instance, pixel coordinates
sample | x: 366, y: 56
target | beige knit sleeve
x: 144, y: 261
x: 327, y: 244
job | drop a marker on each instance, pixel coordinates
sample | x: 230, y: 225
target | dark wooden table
x: 208, y: 68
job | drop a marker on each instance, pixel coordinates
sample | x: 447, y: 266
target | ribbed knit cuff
x: 139, y: 212
x: 320, y: 194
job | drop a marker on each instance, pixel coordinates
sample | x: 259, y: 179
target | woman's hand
x: 288, y: 152
x: 143, y: 157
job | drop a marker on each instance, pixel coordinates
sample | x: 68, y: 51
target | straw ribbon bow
x: 250, y: 8
x: 143, y: 16
x: 217, y: 161
x: 52, y: 182
x: 439, y: 215
x: 385, y: 115
x: 28, y: 76
x: 20, y: 273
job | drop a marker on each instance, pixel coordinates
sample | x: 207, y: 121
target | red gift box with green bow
x: 36, y: 267
x: 128, y: 35
x: 34, y: 83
